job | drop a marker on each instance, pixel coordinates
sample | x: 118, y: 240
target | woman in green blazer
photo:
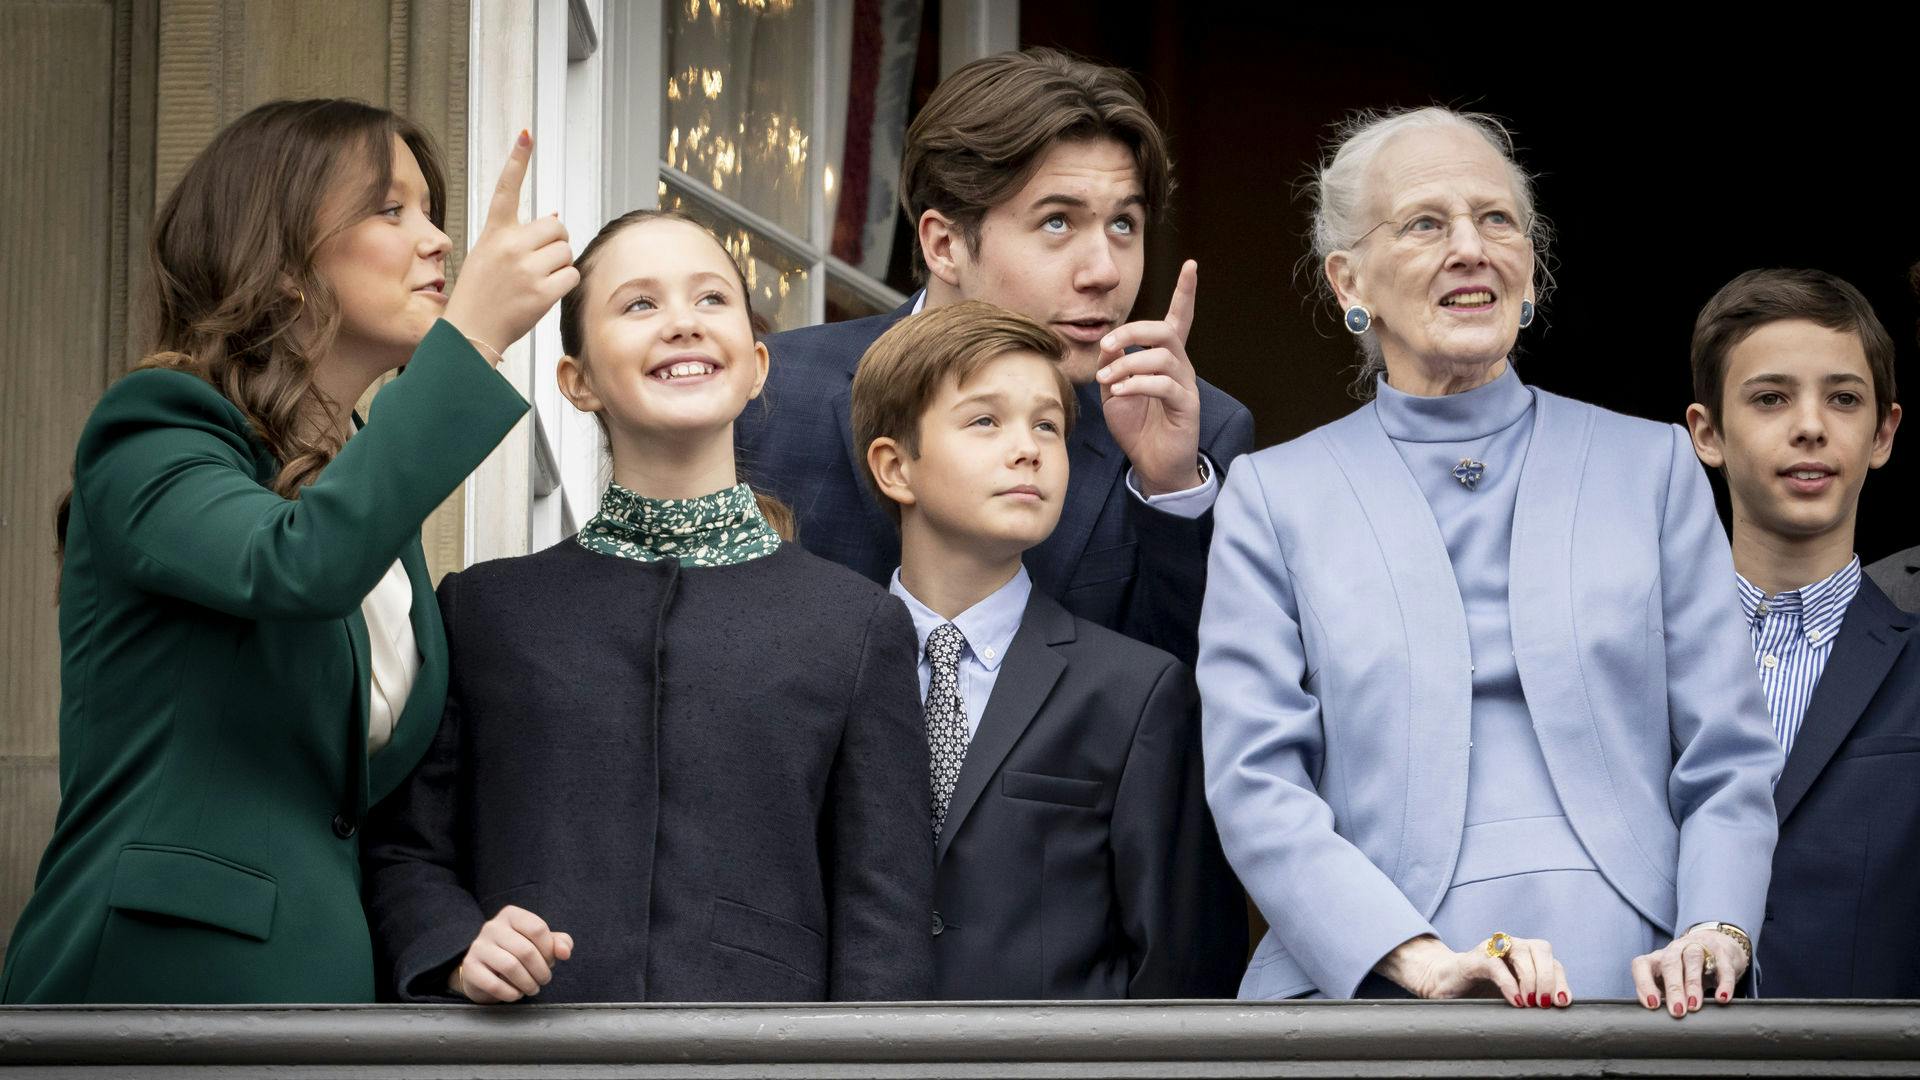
x: 226, y: 716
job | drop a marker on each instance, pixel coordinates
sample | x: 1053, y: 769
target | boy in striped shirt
x: 1794, y: 402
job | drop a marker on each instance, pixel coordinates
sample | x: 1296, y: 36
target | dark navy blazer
x: 796, y: 443
x: 1843, y: 915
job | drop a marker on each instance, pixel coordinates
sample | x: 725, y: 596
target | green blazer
x: 214, y: 679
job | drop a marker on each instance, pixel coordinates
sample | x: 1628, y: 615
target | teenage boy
x: 1794, y: 401
x: 1032, y: 181
x: 1076, y: 856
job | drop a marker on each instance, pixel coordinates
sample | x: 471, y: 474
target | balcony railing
x: 1032, y: 1039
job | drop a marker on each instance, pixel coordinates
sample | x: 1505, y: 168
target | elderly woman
x: 1480, y: 712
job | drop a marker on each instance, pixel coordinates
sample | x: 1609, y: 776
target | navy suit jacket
x: 1112, y: 560
x: 1841, y: 917
x: 1078, y: 858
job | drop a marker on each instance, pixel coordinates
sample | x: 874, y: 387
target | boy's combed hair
x: 1759, y: 297
x: 903, y: 371
x: 985, y: 129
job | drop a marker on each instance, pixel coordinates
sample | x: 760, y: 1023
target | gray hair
x: 1340, y: 199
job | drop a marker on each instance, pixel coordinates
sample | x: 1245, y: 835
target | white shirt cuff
x: 1190, y: 503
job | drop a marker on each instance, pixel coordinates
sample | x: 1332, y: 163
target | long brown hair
x: 573, y: 324
x: 235, y: 298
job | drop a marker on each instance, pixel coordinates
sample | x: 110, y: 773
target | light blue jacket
x: 1336, y: 679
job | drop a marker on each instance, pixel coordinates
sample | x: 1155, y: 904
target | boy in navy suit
x: 1032, y: 181
x: 1076, y: 855
x: 1794, y: 401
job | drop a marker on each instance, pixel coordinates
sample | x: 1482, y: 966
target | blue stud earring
x: 1358, y: 319
x: 1526, y: 314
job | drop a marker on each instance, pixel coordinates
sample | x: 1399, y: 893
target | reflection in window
x: 777, y: 282
x: 740, y: 102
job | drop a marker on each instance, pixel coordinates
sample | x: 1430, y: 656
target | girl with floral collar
x: 682, y: 758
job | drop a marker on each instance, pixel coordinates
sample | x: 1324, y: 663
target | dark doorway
x: 1673, y: 153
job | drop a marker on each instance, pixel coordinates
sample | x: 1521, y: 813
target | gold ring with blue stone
x: 1499, y: 945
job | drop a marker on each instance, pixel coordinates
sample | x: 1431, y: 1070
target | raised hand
x: 1151, y: 398
x: 512, y: 957
x: 516, y: 271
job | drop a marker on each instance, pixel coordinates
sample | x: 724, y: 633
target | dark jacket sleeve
x: 422, y: 915
x: 1163, y: 608
x: 879, y: 832
x: 1180, y: 906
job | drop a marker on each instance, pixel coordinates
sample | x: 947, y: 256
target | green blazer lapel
x: 413, y: 730
x: 353, y: 801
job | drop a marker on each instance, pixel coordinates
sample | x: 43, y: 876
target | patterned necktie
x: 947, y: 736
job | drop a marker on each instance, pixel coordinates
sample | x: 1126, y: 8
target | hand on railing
x: 512, y: 957
x: 1678, y: 971
x: 1521, y: 970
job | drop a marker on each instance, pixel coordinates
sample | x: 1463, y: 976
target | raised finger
x: 1693, y: 959
x: 1520, y: 959
x: 1644, y: 984
x: 1673, y: 979
x: 504, y: 210
x: 1180, y: 308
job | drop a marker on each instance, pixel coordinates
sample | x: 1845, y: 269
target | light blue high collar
x: 1463, y: 417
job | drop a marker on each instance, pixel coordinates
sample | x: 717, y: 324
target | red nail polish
x: 1546, y: 1001
x: 1563, y: 997
x: 1693, y: 1002
x: 1652, y: 1002
x: 1517, y: 1003
x: 1724, y: 996
x: 1530, y: 1000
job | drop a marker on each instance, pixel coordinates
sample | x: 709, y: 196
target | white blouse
x: 396, y: 656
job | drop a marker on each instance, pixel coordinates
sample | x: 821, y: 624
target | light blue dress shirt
x: 988, y: 626
x: 1793, y: 635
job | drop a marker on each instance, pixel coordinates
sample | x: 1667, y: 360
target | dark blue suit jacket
x: 1843, y: 915
x: 1079, y: 859
x: 1112, y: 560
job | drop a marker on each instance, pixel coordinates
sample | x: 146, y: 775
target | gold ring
x: 1499, y: 945
x: 1707, y: 966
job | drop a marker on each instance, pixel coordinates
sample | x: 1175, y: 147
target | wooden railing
x: 1029, y: 1039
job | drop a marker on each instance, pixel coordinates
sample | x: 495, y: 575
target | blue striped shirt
x: 1793, y: 635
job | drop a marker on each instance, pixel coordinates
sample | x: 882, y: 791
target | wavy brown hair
x: 234, y: 296
x: 573, y: 325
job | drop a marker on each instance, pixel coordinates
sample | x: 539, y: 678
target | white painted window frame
x: 586, y: 77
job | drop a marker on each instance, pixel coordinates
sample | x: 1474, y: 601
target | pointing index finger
x: 504, y: 210
x: 1180, y: 308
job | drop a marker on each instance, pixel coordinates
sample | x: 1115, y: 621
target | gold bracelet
x: 1738, y: 935
x: 497, y: 358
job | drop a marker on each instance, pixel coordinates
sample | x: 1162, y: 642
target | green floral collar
x: 721, y: 529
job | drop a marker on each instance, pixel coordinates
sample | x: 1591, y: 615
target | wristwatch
x: 1738, y: 935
